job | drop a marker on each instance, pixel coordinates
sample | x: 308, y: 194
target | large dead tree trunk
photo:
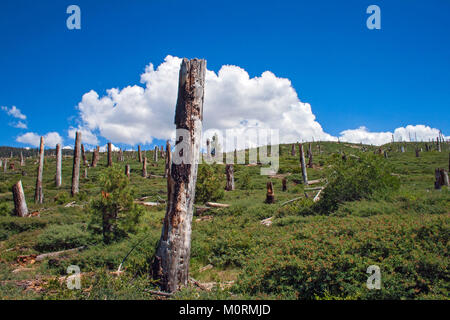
x: 83, y: 155
x: 144, y: 167
x: 20, y: 205
x: 95, y: 157
x: 39, y: 194
x: 270, y: 196
x: 139, y: 154
x: 293, y: 150
x: 229, y: 170
x: 303, y: 164
x: 58, y: 177
x: 168, y: 160
x: 162, y: 151
x: 76, y: 165
x: 155, y: 154
x: 109, y: 155
x: 171, y: 262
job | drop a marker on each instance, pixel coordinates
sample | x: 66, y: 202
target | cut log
x: 229, y: 171
x: 20, y: 204
x: 76, y: 165
x: 270, y: 195
x: 171, y: 261
x: 303, y: 164
x: 56, y: 253
x: 39, y: 194
x: 58, y: 177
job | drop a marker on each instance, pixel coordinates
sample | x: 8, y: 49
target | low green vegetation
x: 372, y: 211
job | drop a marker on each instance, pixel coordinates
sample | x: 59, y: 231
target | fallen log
x: 56, y: 253
x: 217, y: 205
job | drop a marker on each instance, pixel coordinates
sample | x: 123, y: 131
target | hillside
x: 299, y: 254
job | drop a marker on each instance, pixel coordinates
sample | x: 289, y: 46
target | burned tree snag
x: 58, y: 177
x: 95, y: 157
x: 39, y: 194
x: 168, y: 160
x: 139, y: 154
x: 303, y: 164
x: 127, y: 170
x: 76, y: 165
x: 20, y: 205
x: 171, y: 261
x: 229, y: 170
x: 109, y: 155
x: 284, y: 183
x: 83, y: 155
x: 270, y: 196
x: 144, y: 167
x: 155, y: 154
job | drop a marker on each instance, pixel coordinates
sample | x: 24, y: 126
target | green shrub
x: 210, y: 183
x: 13, y: 225
x: 61, y: 237
x: 355, y: 179
x: 5, y: 210
x: 113, y: 212
x: 62, y: 198
x: 244, y: 181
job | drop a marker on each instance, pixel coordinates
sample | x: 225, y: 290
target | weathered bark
x: 162, y: 151
x: 270, y: 196
x: 293, y: 150
x: 438, y: 144
x: 284, y: 183
x: 139, y: 154
x: 20, y: 205
x: 58, y: 177
x: 95, y: 157
x: 85, y: 174
x: 109, y: 155
x: 144, y: 167
x: 39, y: 194
x: 171, y: 261
x: 444, y: 177
x: 155, y: 154
x: 303, y: 164
x: 76, y: 165
x: 127, y: 170
x: 83, y: 155
x: 229, y: 170
x: 168, y: 160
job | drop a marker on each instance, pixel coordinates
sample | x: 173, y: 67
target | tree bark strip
x: 76, y: 165
x: 58, y: 177
x: 171, y: 261
x: 20, y: 205
x: 39, y: 194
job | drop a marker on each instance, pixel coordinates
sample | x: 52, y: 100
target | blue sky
x: 350, y: 75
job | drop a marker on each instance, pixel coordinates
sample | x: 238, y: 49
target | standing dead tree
x: 310, y: 157
x: 5, y: 165
x: 127, y: 170
x: 20, y: 205
x: 144, y: 167
x: 171, y: 261
x: 58, y: 177
x: 139, y: 154
x: 22, y: 160
x: 155, y: 154
x: 293, y: 150
x: 76, y: 165
x: 168, y: 160
x: 284, y: 183
x: 109, y: 155
x: 229, y: 170
x: 303, y: 164
x: 270, y: 195
x: 95, y: 157
x: 83, y: 155
x: 39, y: 194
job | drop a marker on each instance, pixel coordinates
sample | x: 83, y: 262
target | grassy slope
x: 406, y: 234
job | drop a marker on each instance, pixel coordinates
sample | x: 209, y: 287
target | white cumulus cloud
x: 51, y: 139
x: 14, y: 112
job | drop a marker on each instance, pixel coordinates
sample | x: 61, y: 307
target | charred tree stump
x: 155, y: 154
x: 76, y: 165
x: 168, y: 160
x: 171, y: 261
x: 109, y: 155
x: 39, y: 194
x: 144, y: 167
x: 20, y: 205
x: 303, y: 164
x: 270, y: 196
x: 284, y: 183
x: 58, y: 177
x: 229, y: 170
